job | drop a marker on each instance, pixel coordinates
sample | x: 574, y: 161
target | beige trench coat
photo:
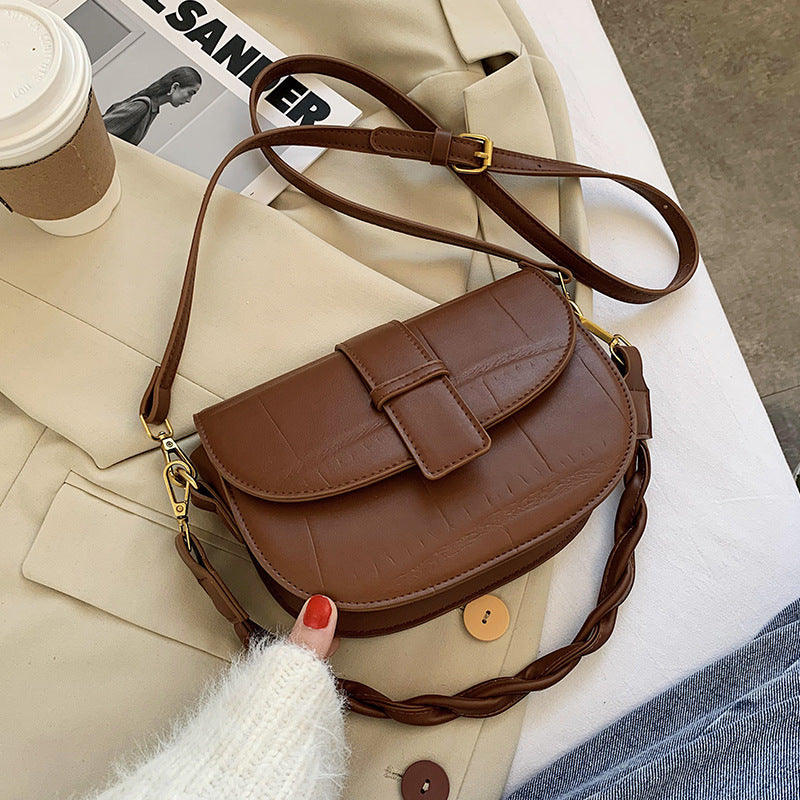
x: 105, y: 635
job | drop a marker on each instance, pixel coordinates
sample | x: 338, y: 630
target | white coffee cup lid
x: 44, y: 77
x: 30, y: 52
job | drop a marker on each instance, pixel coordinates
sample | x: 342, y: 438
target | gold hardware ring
x: 159, y: 436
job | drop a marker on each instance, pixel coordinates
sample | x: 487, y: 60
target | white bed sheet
x: 720, y: 554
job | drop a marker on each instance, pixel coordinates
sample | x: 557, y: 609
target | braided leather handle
x: 494, y: 696
x: 429, y: 143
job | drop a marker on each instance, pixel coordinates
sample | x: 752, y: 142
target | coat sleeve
x: 123, y: 116
x: 271, y: 728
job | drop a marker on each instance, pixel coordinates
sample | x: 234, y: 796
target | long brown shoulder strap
x: 470, y: 159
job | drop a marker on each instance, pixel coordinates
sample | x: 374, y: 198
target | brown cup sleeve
x: 68, y: 180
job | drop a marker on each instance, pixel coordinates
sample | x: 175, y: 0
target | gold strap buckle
x: 485, y: 155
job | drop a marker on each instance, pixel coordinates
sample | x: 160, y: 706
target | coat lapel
x: 523, y: 125
x: 84, y: 320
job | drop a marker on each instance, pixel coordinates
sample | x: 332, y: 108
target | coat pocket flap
x: 327, y: 427
x: 119, y: 556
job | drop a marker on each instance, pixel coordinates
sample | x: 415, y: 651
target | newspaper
x: 173, y: 77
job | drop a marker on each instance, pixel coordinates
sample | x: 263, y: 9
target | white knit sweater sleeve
x: 271, y: 727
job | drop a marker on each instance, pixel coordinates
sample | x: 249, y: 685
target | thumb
x: 316, y: 625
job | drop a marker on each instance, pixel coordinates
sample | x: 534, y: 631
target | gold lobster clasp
x: 179, y: 483
x: 169, y: 447
x: 179, y: 474
x: 613, y: 340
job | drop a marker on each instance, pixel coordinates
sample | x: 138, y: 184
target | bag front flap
x: 422, y: 393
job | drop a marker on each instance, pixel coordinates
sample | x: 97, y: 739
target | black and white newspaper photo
x: 174, y: 77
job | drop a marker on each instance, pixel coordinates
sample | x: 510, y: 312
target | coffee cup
x: 57, y: 166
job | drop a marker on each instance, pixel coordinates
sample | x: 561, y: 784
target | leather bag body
x: 425, y: 462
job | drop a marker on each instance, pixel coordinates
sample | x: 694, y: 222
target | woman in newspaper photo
x: 130, y: 119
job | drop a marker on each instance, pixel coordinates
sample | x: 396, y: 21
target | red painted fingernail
x: 318, y: 612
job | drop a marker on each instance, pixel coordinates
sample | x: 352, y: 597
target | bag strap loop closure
x: 414, y: 390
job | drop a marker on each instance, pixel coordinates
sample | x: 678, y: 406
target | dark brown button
x: 425, y: 780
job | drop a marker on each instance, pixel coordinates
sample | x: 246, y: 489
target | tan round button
x: 425, y: 780
x: 486, y: 618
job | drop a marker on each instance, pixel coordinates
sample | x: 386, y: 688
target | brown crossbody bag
x: 424, y: 462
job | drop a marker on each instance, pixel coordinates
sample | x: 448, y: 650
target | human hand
x: 316, y: 625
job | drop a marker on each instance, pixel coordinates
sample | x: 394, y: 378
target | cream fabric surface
x: 105, y: 634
